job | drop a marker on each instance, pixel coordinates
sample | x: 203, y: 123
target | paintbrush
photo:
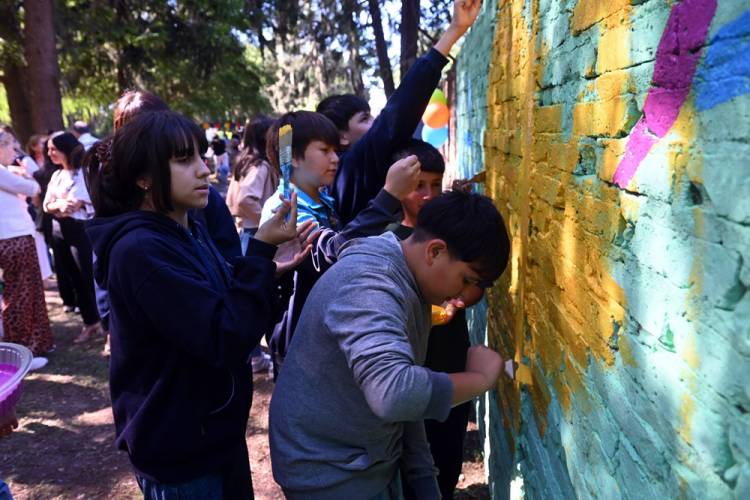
x: 285, y: 159
x: 518, y: 372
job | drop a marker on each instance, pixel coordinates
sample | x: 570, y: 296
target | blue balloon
x: 435, y: 136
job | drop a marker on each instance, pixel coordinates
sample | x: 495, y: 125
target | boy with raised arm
x: 368, y: 144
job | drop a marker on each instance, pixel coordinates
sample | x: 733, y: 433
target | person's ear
x: 434, y: 249
x: 144, y: 183
x: 344, y: 139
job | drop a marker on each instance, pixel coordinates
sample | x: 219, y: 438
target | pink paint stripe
x: 676, y: 62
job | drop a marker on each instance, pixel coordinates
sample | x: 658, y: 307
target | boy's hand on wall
x: 484, y: 361
x: 403, y: 177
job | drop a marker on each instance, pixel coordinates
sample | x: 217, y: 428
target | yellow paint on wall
x: 587, y: 12
x: 560, y: 306
x: 687, y: 409
x: 614, y: 43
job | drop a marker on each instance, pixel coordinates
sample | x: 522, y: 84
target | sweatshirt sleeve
x: 417, y: 466
x: 15, y: 184
x: 363, y: 168
x: 367, y: 321
x: 213, y: 326
x: 371, y: 221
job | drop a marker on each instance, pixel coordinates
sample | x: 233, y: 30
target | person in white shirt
x: 25, y: 319
x: 68, y: 201
x: 81, y: 132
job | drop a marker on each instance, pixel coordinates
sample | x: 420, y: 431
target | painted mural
x: 615, y: 137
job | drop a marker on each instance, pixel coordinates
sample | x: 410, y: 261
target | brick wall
x: 616, y: 140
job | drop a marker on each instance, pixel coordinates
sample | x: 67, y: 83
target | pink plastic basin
x: 14, y: 364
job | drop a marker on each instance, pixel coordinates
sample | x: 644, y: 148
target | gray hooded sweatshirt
x: 348, y: 408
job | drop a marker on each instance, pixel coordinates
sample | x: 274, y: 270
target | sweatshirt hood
x: 105, y: 232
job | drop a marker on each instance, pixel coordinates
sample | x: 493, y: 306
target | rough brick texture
x: 616, y: 137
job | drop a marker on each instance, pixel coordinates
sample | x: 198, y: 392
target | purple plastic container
x: 14, y: 364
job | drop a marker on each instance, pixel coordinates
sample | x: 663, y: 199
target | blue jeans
x: 209, y: 487
x: 233, y: 481
x: 245, y: 236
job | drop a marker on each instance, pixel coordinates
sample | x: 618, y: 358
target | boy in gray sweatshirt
x: 346, y: 417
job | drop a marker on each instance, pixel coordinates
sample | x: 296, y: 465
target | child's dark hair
x: 253, y: 145
x: 141, y: 148
x: 307, y: 127
x: 472, y: 228
x: 67, y: 144
x: 340, y: 109
x: 132, y: 102
x: 218, y: 146
x: 430, y: 159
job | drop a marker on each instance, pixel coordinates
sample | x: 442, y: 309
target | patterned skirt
x: 25, y: 319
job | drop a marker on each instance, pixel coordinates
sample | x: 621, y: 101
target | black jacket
x: 183, y: 324
x: 362, y: 169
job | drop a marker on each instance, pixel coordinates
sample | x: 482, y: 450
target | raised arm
x: 363, y: 169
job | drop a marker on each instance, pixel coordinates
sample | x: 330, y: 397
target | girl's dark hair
x: 140, y: 149
x: 306, y: 128
x: 218, y: 145
x: 132, y: 102
x: 471, y: 227
x: 340, y: 109
x: 68, y: 145
x: 253, y: 146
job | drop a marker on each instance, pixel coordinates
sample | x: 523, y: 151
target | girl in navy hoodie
x: 183, y: 320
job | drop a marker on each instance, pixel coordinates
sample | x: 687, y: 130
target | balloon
x: 436, y: 115
x: 435, y: 136
x: 438, y: 96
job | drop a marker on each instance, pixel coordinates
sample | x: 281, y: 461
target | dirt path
x: 64, y: 446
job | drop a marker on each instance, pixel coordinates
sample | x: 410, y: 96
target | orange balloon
x: 436, y: 115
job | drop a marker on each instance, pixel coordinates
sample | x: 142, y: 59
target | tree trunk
x: 352, y: 10
x: 42, y: 69
x: 15, y: 92
x: 14, y: 78
x: 381, y: 48
x: 409, y: 32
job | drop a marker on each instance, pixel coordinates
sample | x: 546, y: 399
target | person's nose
x: 203, y: 170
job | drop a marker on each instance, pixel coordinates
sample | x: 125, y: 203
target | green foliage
x: 4, y: 110
x: 194, y: 54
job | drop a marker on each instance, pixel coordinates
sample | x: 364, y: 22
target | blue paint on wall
x: 725, y: 72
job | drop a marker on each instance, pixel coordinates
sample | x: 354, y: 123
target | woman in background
x: 253, y: 179
x: 68, y: 201
x: 25, y: 319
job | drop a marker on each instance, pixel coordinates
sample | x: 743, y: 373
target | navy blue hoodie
x: 183, y: 324
x: 363, y: 168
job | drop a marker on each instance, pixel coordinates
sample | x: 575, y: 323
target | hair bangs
x: 182, y: 137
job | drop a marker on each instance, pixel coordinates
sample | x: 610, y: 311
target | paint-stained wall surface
x: 615, y: 136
